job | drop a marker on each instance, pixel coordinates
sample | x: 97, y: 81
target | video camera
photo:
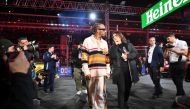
x: 29, y: 50
x: 32, y: 46
x: 169, y: 45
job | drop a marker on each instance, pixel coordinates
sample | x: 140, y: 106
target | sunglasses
x: 102, y: 29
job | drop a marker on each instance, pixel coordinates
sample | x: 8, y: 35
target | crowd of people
x: 93, y: 63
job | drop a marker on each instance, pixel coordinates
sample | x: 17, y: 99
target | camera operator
x: 50, y: 59
x: 176, y: 51
x: 30, y: 49
x: 15, y: 84
x: 31, y: 54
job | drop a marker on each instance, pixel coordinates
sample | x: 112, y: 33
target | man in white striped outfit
x: 96, y: 66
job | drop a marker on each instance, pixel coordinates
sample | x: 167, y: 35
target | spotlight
x: 92, y: 16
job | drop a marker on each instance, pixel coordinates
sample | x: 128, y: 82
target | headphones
x: 95, y: 27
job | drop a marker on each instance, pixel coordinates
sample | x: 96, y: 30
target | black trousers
x: 177, y: 71
x: 49, y: 80
x: 154, y: 72
x: 124, y: 86
x: 35, y: 88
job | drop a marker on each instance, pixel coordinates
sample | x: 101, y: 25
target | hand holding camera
x: 54, y: 56
x: 31, y: 47
x: 168, y: 45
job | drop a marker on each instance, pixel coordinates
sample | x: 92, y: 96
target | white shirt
x: 178, y: 45
x: 150, y: 53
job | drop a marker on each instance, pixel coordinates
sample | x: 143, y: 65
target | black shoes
x: 156, y: 95
x: 126, y: 106
x: 45, y: 91
x: 183, y: 101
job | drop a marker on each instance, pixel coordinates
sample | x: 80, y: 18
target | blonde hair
x: 120, y: 35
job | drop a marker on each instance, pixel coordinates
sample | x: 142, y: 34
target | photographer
x: 31, y: 53
x: 30, y: 49
x: 16, y: 85
x: 50, y: 60
x: 176, y: 51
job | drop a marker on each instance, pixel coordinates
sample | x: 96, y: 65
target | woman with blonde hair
x: 123, y: 57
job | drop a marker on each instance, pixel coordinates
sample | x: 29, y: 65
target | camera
x: 30, y: 51
x: 31, y: 47
x: 169, y: 45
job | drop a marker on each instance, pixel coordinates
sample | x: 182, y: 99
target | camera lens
x: 33, y: 47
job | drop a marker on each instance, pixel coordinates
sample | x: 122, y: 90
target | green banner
x: 160, y: 10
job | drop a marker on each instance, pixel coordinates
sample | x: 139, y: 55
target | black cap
x: 5, y: 44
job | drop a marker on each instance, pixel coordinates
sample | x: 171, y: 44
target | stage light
x: 123, y: 3
x: 58, y: 14
x: 92, y: 16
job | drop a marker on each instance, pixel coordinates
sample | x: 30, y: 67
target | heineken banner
x: 160, y: 10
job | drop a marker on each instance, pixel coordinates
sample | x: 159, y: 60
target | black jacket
x: 76, y: 62
x: 49, y: 63
x: 16, y: 92
x: 116, y: 60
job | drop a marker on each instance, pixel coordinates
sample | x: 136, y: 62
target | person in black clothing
x: 32, y: 55
x: 155, y: 64
x: 50, y: 60
x: 15, y: 84
x: 78, y: 75
x: 124, y: 70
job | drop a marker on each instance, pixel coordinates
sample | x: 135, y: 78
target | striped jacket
x: 94, y: 57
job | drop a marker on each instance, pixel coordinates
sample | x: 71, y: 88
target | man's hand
x: 161, y: 69
x: 25, y: 47
x: 19, y: 64
x: 54, y: 56
x: 108, y: 76
x: 105, y: 51
x: 88, y: 77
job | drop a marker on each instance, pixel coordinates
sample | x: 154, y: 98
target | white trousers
x: 96, y: 87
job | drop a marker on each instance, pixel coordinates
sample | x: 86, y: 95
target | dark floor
x: 64, y: 96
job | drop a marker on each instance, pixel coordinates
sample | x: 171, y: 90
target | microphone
x: 123, y: 50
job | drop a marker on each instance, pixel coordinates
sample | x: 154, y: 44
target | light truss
x: 74, y: 6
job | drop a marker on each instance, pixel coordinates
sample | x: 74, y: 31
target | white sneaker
x: 78, y: 92
x: 84, y: 91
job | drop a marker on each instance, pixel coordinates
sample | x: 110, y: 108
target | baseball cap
x: 5, y: 44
